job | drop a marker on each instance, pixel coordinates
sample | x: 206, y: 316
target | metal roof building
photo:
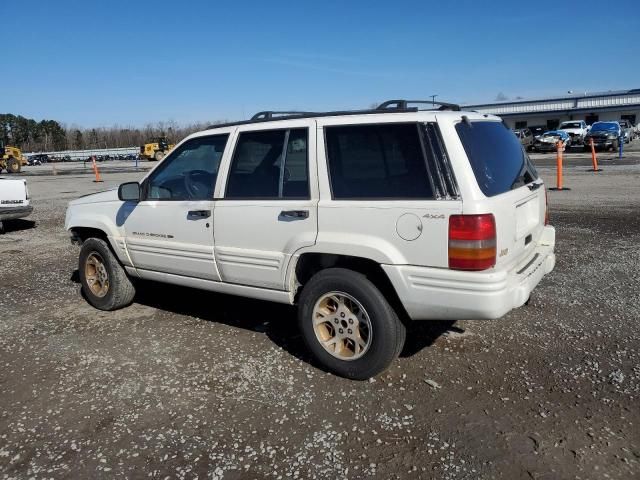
x: 549, y: 112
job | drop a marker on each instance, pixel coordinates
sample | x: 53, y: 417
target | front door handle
x: 301, y: 214
x: 198, y: 214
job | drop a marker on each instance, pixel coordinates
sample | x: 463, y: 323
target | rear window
x: 497, y: 157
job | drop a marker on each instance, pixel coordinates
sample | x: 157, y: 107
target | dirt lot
x: 187, y: 384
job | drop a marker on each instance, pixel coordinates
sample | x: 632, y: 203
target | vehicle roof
x: 375, y: 116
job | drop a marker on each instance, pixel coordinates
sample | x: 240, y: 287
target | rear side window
x: 270, y: 164
x: 497, y: 157
x: 377, y: 162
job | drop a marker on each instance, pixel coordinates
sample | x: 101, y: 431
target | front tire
x: 13, y: 165
x: 159, y: 155
x: 348, y: 324
x: 104, y: 281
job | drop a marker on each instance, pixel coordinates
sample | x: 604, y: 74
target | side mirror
x: 129, y: 192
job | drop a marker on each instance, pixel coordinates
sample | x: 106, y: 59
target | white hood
x: 100, y: 197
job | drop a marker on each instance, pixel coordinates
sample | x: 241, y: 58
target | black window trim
x: 420, y: 125
x: 279, y: 198
x: 449, y: 183
x: 144, y: 187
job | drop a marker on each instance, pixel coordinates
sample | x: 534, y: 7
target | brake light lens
x: 472, y: 242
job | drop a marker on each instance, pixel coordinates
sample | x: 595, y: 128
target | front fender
x: 100, y: 217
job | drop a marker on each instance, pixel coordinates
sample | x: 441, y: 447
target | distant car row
x: 576, y: 133
x: 41, y: 158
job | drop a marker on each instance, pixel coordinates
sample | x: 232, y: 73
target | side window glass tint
x: 263, y: 167
x: 189, y: 172
x: 377, y: 161
x: 296, y: 166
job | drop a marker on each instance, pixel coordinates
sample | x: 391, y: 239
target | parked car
x: 627, y: 130
x: 14, y: 200
x: 39, y: 157
x: 577, y: 130
x: 525, y: 136
x: 537, y: 130
x: 548, y: 141
x: 364, y: 220
x: 605, y: 135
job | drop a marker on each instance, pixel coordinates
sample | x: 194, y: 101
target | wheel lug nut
x: 349, y: 331
x: 351, y: 320
x: 342, y: 314
x: 336, y: 321
x: 340, y: 330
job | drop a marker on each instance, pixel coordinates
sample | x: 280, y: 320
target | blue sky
x: 100, y: 63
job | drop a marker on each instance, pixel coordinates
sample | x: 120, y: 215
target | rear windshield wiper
x: 520, y: 179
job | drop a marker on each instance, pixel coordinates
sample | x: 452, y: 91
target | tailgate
x: 13, y: 192
x: 519, y: 223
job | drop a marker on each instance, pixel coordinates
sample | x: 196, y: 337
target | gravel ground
x: 189, y: 384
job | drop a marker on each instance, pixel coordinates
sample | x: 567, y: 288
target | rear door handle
x: 197, y: 214
x: 295, y: 214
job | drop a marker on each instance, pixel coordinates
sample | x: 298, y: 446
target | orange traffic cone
x: 594, y: 159
x: 559, y: 184
x: 95, y: 170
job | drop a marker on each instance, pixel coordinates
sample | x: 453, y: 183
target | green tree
x: 78, y: 141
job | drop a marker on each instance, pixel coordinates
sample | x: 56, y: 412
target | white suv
x: 366, y: 220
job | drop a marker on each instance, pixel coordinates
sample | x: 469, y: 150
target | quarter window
x: 270, y: 164
x: 377, y: 162
x: 189, y: 172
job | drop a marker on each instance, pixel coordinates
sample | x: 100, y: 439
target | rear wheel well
x: 311, y: 263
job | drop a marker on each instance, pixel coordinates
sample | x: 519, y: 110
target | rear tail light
x: 472, y: 242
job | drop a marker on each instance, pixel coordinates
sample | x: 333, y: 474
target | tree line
x: 50, y: 135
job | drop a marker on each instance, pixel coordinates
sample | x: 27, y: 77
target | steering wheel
x: 197, y: 188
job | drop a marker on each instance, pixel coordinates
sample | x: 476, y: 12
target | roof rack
x: 404, y: 105
x: 269, y: 114
x: 390, y: 106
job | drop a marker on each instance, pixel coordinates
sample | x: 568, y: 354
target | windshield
x: 497, y: 158
x: 552, y: 134
x: 602, y: 127
x: 571, y: 125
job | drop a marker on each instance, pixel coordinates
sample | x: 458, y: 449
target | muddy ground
x: 190, y: 384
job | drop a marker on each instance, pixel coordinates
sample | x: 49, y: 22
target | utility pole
x: 433, y: 99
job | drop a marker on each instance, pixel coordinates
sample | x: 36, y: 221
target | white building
x: 549, y: 112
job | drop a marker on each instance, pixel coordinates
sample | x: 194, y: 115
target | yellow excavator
x: 156, y: 148
x: 11, y: 158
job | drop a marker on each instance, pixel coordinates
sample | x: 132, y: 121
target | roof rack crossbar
x: 404, y: 105
x: 269, y: 114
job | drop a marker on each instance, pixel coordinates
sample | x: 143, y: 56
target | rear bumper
x: 442, y: 294
x: 10, y: 213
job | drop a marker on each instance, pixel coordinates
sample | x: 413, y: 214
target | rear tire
x: 13, y: 165
x: 348, y: 309
x: 104, y: 281
x: 159, y: 155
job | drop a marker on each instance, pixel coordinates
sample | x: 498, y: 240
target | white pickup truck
x: 14, y: 200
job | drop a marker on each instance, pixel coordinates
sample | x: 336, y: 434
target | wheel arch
x: 80, y: 233
x: 307, y: 264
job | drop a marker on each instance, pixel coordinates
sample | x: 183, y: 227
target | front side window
x: 270, y: 164
x: 382, y: 161
x: 497, y: 158
x: 189, y: 172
